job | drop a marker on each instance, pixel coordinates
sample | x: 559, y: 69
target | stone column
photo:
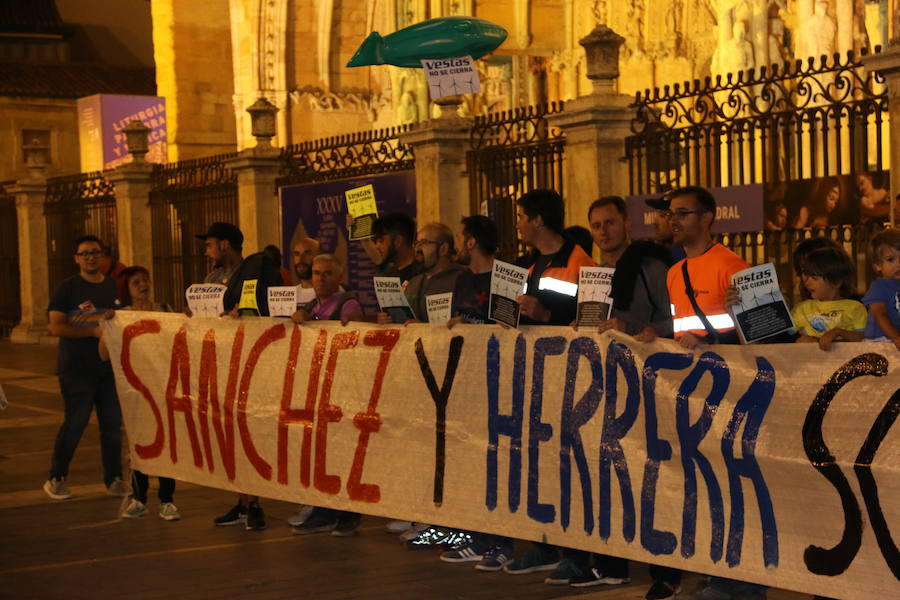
x: 595, y: 127
x: 440, y: 145
x: 34, y: 277
x: 257, y: 168
x: 888, y: 64
x: 132, y: 183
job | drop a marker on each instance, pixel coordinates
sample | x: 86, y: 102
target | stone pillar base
x: 29, y: 334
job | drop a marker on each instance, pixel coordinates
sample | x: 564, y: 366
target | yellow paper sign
x: 363, y: 210
x: 248, y: 295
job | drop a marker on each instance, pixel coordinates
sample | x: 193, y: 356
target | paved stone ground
x: 79, y: 548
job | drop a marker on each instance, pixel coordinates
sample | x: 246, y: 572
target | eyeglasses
x: 86, y: 253
x: 679, y: 215
x: 422, y: 242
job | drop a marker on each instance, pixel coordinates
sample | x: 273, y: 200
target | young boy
x: 883, y: 297
x: 829, y: 314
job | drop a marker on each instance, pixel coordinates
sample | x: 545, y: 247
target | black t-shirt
x: 472, y: 297
x: 77, y: 296
x: 405, y: 274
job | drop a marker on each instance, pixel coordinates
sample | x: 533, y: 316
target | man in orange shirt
x: 697, y: 288
x: 700, y: 317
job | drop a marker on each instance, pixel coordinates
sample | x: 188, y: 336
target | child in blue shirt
x: 883, y: 297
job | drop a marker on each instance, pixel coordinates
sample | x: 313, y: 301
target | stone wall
x: 192, y: 49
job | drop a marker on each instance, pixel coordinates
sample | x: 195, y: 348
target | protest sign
x: 363, y: 211
x: 206, y: 299
x: 392, y: 300
x: 248, y: 296
x: 594, y: 302
x: 507, y: 284
x: 451, y: 77
x: 438, y: 307
x: 773, y: 464
x: 762, y: 312
x: 282, y: 300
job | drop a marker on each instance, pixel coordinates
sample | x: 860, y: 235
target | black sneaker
x: 660, y: 590
x: 256, y: 519
x: 596, y: 577
x: 322, y: 522
x: 347, y: 525
x: 235, y: 516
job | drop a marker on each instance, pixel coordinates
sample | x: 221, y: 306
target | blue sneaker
x: 565, y: 571
x: 536, y: 559
x: 495, y: 559
x: 471, y: 552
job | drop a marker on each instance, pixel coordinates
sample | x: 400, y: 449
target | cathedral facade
x: 214, y: 58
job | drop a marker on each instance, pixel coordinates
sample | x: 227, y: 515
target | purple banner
x: 738, y: 208
x: 101, y: 120
x: 319, y: 211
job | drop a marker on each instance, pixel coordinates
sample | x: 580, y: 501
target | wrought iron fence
x: 10, y: 296
x: 346, y: 156
x: 185, y: 198
x: 778, y: 247
x: 797, y: 121
x: 513, y: 152
x: 76, y: 205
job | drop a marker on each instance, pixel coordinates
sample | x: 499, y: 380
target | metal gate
x: 185, y: 198
x: 513, y: 152
x: 76, y: 205
x: 10, y: 293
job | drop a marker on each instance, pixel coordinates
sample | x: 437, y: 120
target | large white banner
x: 776, y: 464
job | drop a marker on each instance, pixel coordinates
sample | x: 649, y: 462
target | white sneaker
x: 117, y: 488
x: 413, y: 532
x: 134, y: 510
x: 56, y: 488
x: 398, y: 526
x: 304, y: 510
x: 169, y: 512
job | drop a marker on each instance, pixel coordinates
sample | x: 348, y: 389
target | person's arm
x: 352, y: 310
x: 831, y: 335
x: 655, y: 275
x: 60, y: 327
x: 879, y: 311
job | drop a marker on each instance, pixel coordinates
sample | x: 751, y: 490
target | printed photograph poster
x: 738, y: 208
x: 508, y: 282
x: 862, y: 198
x: 762, y: 312
x: 319, y: 211
x: 594, y: 301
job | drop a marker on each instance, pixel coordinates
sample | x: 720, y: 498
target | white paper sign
x: 762, y: 312
x: 282, y: 300
x: 594, y: 301
x: 451, y: 77
x: 507, y: 284
x: 206, y: 299
x: 392, y: 300
x: 438, y: 307
x: 305, y: 296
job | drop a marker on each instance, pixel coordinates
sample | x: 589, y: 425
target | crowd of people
x: 676, y: 286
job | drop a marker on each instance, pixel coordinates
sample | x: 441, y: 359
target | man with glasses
x: 434, y: 251
x: 84, y: 380
x: 697, y: 289
x: 698, y: 284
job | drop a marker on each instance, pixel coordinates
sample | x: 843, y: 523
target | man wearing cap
x: 223, y: 243
x: 224, y: 246
x: 661, y: 225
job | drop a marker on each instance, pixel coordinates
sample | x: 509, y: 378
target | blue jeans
x: 81, y: 393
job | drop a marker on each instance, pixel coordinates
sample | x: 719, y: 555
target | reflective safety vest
x: 557, y: 287
x: 710, y: 277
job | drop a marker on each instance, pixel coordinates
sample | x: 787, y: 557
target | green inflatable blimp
x: 447, y: 37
